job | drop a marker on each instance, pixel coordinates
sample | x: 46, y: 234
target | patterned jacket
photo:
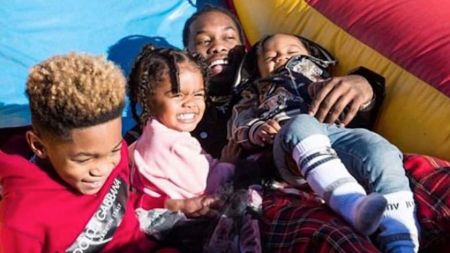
x: 280, y: 96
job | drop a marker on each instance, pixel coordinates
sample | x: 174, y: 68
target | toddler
x: 170, y: 86
x: 274, y: 110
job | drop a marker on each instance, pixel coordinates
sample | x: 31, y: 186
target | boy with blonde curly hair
x: 70, y: 192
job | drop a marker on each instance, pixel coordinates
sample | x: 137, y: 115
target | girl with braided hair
x: 170, y: 87
x: 168, y: 163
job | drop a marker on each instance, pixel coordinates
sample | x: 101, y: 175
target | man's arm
x: 353, y: 99
x: 367, y: 116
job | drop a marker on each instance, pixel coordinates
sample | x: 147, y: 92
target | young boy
x: 274, y: 109
x: 70, y: 191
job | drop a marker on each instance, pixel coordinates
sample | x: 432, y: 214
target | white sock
x: 399, y: 226
x: 329, y: 178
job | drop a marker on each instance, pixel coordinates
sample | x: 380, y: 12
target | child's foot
x: 368, y: 213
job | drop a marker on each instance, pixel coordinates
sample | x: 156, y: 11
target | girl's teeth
x: 186, y: 116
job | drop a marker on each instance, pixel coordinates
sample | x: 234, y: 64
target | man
x: 216, y: 35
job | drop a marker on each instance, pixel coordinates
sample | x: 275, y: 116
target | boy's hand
x: 202, y: 206
x: 266, y: 132
x: 337, y: 94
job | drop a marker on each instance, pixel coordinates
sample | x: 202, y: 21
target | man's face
x: 213, y: 35
x: 85, y: 160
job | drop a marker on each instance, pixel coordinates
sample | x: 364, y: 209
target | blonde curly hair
x: 74, y: 91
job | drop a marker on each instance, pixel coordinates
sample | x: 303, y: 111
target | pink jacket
x: 169, y: 163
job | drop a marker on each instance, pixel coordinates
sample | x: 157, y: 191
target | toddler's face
x: 86, y: 160
x: 276, y: 51
x: 180, y: 111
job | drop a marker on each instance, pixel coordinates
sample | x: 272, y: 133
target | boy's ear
x: 36, y: 144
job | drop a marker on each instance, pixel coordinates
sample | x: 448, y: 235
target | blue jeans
x: 374, y: 162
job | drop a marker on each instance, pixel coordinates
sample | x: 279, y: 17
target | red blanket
x: 302, y: 223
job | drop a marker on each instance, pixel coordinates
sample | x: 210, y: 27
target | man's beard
x: 222, y: 84
x: 220, y: 87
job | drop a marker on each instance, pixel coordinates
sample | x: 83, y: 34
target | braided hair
x: 149, y: 70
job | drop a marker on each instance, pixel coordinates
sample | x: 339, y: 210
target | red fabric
x: 430, y: 182
x: 301, y: 223
x: 11, y: 140
x: 146, y: 202
x: 426, y: 36
x: 39, y: 213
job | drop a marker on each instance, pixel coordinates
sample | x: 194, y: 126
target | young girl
x: 169, y: 85
x: 330, y: 157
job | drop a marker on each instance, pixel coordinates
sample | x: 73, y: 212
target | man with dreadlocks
x: 216, y: 35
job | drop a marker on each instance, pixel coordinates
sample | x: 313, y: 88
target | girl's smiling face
x: 180, y: 111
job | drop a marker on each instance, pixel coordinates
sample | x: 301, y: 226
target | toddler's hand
x: 266, y: 132
x: 230, y: 152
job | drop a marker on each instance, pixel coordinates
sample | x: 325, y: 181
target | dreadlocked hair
x: 150, y: 68
x: 72, y: 91
x: 206, y: 9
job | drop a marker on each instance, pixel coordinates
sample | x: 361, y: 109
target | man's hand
x: 230, y: 152
x: 332, y: 96
x: 265, y: 133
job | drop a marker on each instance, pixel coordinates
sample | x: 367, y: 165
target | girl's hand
x: 230, y: 152
x: 202, y: 206
x: 266, y: 132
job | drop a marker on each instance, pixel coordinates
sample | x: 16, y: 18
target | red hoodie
x: 40, y: 213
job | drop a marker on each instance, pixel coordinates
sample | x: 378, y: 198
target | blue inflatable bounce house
x: 32, y: 31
